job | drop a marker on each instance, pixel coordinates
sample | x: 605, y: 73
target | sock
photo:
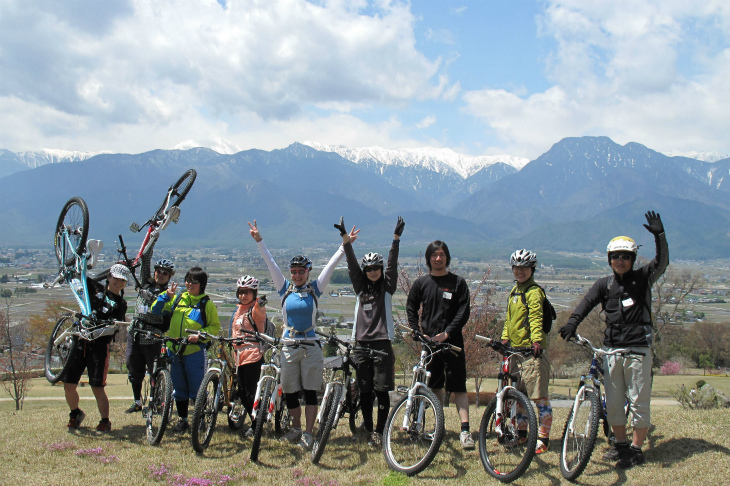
x: 75, y: 413
x: 104, y: 420
x: 465, y: 426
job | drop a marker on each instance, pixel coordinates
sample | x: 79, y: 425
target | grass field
x: 686, y: 446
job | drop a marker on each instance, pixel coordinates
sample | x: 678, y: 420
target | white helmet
x: 120, y: 271
x: 622, y: 243
x: 248, y: 282
x: 523, y: 258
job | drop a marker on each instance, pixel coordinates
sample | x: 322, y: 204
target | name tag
x: 302, y: 294
x: 447, y: 295
x: 627, y: 302
x: 142, y: 309
x: 367, y: 307
x: 514, y: 299
x: 239, y: 322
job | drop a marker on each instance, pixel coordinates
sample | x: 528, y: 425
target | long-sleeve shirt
x: 445, y: 303
x: 373, y: 310
x: 299, y: 310
x: 519, y: 332
x: 627, y: 301
x: 144, y: 318
x: 187, y: 316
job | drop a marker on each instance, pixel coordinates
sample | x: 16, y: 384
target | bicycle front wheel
x: 282, y: 419
x: 507, y: 456
x: 159, y: 408
x: 262, y: 411
x: 412, y: 437
x: 206, y: 411
x: 579, y: 436
x: 329, y: 412
x: 180, y: 190
x: 57, y: 355
x: 74, y: 219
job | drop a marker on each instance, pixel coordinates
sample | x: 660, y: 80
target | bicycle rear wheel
x: 74, y: 218
x: 160, y: 406
x: 412, y: 438
x: 57, y: 355
x: 206, y: 411
x: 506, y: 457
x: 329, y: 412
x: 579, y: 436
x: 180, y: 190
x: 262, y: 411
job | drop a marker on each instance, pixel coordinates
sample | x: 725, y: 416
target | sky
x: 481, y: 77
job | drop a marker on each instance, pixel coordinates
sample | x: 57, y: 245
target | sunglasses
x: 162, y: 272
x: 372, y: 269
x: 192, y: 282
x: 298, y: 272
x: 245, y: 291
x: 620, y: 256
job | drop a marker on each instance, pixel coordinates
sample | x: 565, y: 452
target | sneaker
x: 75, y: 422
x: 181, y: 427
x: 542, y: 446
x: 249, y: 433
x: 616, y: 452
x: 136, y: 407
x: 293, y: 436
x: 104, y: 427
x: 375, y: 439
x: 633, y: 457
x: 467, y: 443
x: 307, y: 440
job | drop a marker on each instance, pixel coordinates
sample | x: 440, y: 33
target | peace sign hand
x: 254, y: 230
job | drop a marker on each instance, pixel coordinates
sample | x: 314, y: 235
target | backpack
x: 200, y: 306
x: 307, y: 289
x: 548, y: 311
x: 269, y: 327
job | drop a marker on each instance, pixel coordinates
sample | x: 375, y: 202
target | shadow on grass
x: 673, y: 451
x: 345, y: 453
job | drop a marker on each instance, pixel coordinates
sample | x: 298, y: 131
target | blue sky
x: 480, y: 77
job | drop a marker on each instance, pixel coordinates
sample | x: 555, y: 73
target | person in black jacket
x: 626, y: 300
x: 444, y: 298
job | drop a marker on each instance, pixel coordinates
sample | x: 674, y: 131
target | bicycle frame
x: 270, y: 371
x: 420, y: 379
x: 504, y: 383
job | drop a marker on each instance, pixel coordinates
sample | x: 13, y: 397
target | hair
x: 432, y: 247
x: 197, y: 273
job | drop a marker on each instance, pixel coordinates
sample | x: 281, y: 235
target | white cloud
x: 426, y: 122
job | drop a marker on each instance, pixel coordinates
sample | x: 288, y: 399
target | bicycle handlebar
x: 580, y: 340
x: 160, y: 337
x: 427, y: 340
x: 502, y: 348
x: 373, y: 352
x: 273, y: 341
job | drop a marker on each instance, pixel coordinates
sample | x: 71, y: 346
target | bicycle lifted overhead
x: 415, y: 426
x: 508, y: 431
x: 589, y: 408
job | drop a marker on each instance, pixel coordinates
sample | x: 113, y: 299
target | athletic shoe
x: 634, y: 457
x: 181, y: 427
x: 307, y: 440
x: 467, y: 443
x: 136, y: 407
x: 375, y: 440
x: 103, y: 427
x: 249, y: 433
x: 293, y: 436
x: 542, y: 446
x: 75, y: 422
x: 617, y: 452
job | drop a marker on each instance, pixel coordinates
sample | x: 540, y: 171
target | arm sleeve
x: 413, y: 305
x: 213, y: 323
x: 353, y: 266
x: 146, y: 271
x: 274, y: 269
x: 163, y: 302
x: 660, y: 262
x: 391, y: 271
x: 324, y: 278
x: 534, y: 300
x: 463, y: 310
x: 590, y: 300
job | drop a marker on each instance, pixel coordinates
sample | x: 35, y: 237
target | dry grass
x: 685, y: 445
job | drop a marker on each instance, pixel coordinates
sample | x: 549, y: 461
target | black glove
x: 536, y: 350
x: 399, y: 226
x: 341, y: 226
x: 655, y: 225
x: 568, y: 331
x: 262, y: 301
x: 146, y: 295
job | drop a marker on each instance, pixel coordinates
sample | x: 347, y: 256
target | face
x: 299, y: 275
x: 374, y: 273
x: 192, y: 286
x: 246, y: 296
x: 522, y: 274
x: 162, y: 276
x: 438, y: 260
x: 116, y: 285
x: 621, y: 262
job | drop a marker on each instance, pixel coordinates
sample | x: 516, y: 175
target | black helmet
x: 300, y: 261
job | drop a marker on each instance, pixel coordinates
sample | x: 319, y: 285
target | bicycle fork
x: 257, y: 399
x: 328, y: 390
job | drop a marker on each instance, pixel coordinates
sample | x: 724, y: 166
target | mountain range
x: 573, y: 198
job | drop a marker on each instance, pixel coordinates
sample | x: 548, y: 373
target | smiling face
x: 621, y: 262
x: 246, y: 296
x: 116, y: 285
x: 522, y: 274
x: 299, y: 275
x: 192, y: 286
x: 162, y: 276
x: 438, y: 262
x: 374, y: 273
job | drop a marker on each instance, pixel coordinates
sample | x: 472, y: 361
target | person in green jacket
x: 191, y: 309
x: 523, y: 329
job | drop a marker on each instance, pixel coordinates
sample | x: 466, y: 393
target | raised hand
x: 353, y: 234
x: 399, y: 226
x: 254, y: 231
x: 655, y: 225
x: 341, y: 226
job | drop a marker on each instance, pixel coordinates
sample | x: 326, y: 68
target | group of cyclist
x: 438, y: 305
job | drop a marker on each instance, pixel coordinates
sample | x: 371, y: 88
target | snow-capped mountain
x: 41, y: 157
x: 217, y: 145
x: 439, y: 160
x: 703, y: 156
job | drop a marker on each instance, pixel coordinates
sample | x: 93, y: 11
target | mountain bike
x: 508, y: 432
x: 589, y: 408
x: 70, y: 238
x: 168, y: 212
x: 415, y: 426
x: 219, y: 388
x: 157, y: 388
x: 340, y: 394
x: 269, y: 398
